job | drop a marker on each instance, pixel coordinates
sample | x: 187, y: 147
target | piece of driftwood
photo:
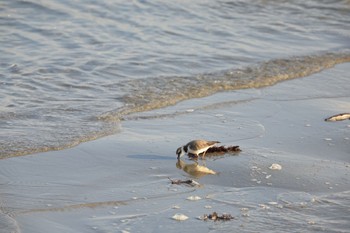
x: 215, y: 217
x: 192, y: 183
x: 339, y: 117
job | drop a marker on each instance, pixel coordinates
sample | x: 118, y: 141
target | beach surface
x: 120, y: 183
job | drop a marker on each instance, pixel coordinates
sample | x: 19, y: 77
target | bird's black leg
x: 203, y: 155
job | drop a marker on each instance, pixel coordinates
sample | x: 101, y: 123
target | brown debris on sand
x: 191, y: 183
x: 215, y: 217
x: 339, y: 117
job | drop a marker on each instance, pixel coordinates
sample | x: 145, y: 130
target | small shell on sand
x: 275, y: 166
x: 194, y: 198
x: 339, y: 117
x: 180, y: 217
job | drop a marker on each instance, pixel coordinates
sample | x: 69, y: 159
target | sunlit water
x: 66, y: 66
x: 70, y: 71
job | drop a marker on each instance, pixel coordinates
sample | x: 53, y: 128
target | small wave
x: 23, y: 146
x: 39, y: 129
x: 159, y: 92
x: 8, y: 224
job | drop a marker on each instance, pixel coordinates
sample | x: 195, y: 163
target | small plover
x: 195, y: 147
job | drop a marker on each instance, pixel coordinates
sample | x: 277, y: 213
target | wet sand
x: 121, y: 183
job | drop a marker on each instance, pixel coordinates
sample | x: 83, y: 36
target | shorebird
x: 195, y: 147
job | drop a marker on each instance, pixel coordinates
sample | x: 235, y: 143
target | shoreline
x: 120, y: 182
x: 156, y: 93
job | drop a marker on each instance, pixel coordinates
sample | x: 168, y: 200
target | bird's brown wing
x: 198, y: 144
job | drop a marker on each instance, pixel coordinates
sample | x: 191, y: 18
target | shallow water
x: 68, y: 66
x: 73, y: 71
x: 121, y: 182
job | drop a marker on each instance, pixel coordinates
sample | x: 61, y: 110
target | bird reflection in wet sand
x: 194, y: 169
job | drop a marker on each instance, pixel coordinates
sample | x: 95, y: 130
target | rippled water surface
x: 71, y: 71
x: 67, y: 66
